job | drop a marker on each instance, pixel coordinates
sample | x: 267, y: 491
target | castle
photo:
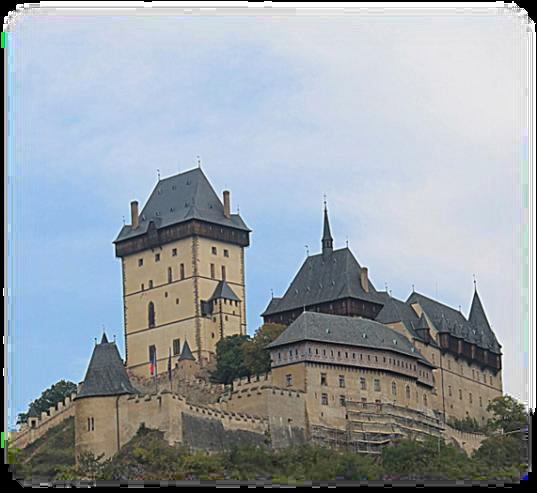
x: 355, y: 367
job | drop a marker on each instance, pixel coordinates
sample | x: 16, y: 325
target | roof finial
x: 475, y: 283
x: 386, y: 286
x: 199, y: 161
x: 158, y: 174
x: 123, y: 220
x: 114, y: 338
x: 326, y: 241
x: 95, y: 340
x: 307, y: 251
x: 413, y: 288
x: 238, y: 209
x: 324, y: 198
x: 271, y: 293
x: 347, y: 242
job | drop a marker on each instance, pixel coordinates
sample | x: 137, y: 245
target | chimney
x: 134, y: 214
x: 363, y: 279
x: 227, y: 205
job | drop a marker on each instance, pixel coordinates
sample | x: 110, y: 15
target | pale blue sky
x: 412, y: 126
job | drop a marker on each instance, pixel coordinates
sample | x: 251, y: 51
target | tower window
x: 289, y: 380
x: 363, y: 384
x: 342, y: 400
x: 170, y: 276
x: 342, y: 381
x: 394, y: 388
x: 408, y: 392
x: 142, y: 286
x: 377, y: 385
x: 176, y: 301
x: 324, y: 399
x: 323, y: 379
x: 176, y: 346
x: 223, y: 272
x: 150, y: 284
x: 212, y: 271
x: 174, y: 252
x: 214, y: 250
x: 157, y: 257
x: 226, y: 253
x: 151, y: 314
x: 182, y: 270
x: 140, y: 262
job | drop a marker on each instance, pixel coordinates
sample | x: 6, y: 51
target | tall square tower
x: 183, y: 273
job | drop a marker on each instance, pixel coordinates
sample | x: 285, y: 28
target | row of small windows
x: 343, y: 401
x: 174, y: 254
x: 91, y: 424
x: 170, y: 276
x: 470, y: 398
x: 363, y: 384
x: 393, y: 362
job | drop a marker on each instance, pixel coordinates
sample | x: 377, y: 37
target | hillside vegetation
x: 149, y: 457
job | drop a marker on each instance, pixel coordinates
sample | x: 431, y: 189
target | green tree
x: 508, y: 414
x: 230, y: 359
x: 256, y: 357
x: 499, y: 451
x: 50, y: 397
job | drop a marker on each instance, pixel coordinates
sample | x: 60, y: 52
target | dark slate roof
x: 423, y: 324
x: 32, y: 413
x: 272, y: 306
x: 180, y: 198
x: 325, y: 277
x: 223, y: 290
x: 336, y: 329
x: 186, y: 353
x: 395, y: 310
x: 327, y: 235
x: 106, y: 374
x: 456, y: 323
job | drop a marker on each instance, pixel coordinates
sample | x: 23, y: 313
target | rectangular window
x: 324, y: 399
x: 342, y: 381
x: 289, y: 379
x: 226, y: 253
x: 342, y: 400
x: 377, y: 385
x: 182, y: 269
x: 460, y: 394
x: 213, y: 249
x: 174, y: 252
x: 140, y: 262
x: 212, y: 271
x: 363, y: 385
x: 470, y: 397
x: 480, y: 401
x: 449, y: 390
x: 157, y: 257
x: 323, y: 379
x: 176, y: 347
x: 142, y: 286
x: 223, y: 272
x: 150, y: 284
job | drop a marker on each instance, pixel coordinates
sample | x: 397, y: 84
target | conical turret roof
x: 186, y: 353
x: 106, y: 374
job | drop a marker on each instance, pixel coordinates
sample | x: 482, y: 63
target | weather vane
x: 158, y: 174
x: 199, y: 161
x: 307, y: 250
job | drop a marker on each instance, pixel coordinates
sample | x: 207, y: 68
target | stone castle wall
x: 54, y: 416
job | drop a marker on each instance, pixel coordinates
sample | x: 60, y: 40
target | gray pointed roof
x: 223, y: 290
x: 106, y: 374
x: 181, y: 198
x: 395, y: 310
x: 423, y: 324
x: 337, y: 329
x: 186, y: 353
x: 324, y: 278
x: 474, y: 332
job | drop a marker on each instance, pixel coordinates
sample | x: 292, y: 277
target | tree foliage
x: 256, y: 357
x: 229, y: 359
x: 50, y: 397
x: 508, y: 414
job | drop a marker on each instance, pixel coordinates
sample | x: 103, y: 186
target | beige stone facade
x: 175, y: 278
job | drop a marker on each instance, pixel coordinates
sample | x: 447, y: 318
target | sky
x: 411, y: 123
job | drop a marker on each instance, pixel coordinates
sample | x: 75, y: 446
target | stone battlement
x: 36, y: 427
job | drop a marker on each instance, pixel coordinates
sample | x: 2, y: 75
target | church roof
x: 186, y: 353
x: 352, y: 331
x: 178, y: 199
x: 475, y: 331
x: 223, y: 290
x: 323, y: 278
x: 106, y: 374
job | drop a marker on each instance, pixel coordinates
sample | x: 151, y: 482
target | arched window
x: 170, y: 274
x: 394, y: 388
x: 151, y: 314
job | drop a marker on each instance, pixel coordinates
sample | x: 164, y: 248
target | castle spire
x: 326, y: 241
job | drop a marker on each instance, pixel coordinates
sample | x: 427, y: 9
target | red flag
x: 153, y: 361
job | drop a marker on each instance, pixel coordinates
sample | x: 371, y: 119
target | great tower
x: 183, y: 273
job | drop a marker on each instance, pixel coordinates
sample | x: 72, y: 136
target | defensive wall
x: 36, y: 427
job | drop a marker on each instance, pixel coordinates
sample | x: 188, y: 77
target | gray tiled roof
x: 106, y: 374
x: 336, y: 329
x: 223, y: 290
x: 473, y: 332
x: 180, y: 198
x: 479, y: 320
x: 186, y: 353
x: 322, y: 278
